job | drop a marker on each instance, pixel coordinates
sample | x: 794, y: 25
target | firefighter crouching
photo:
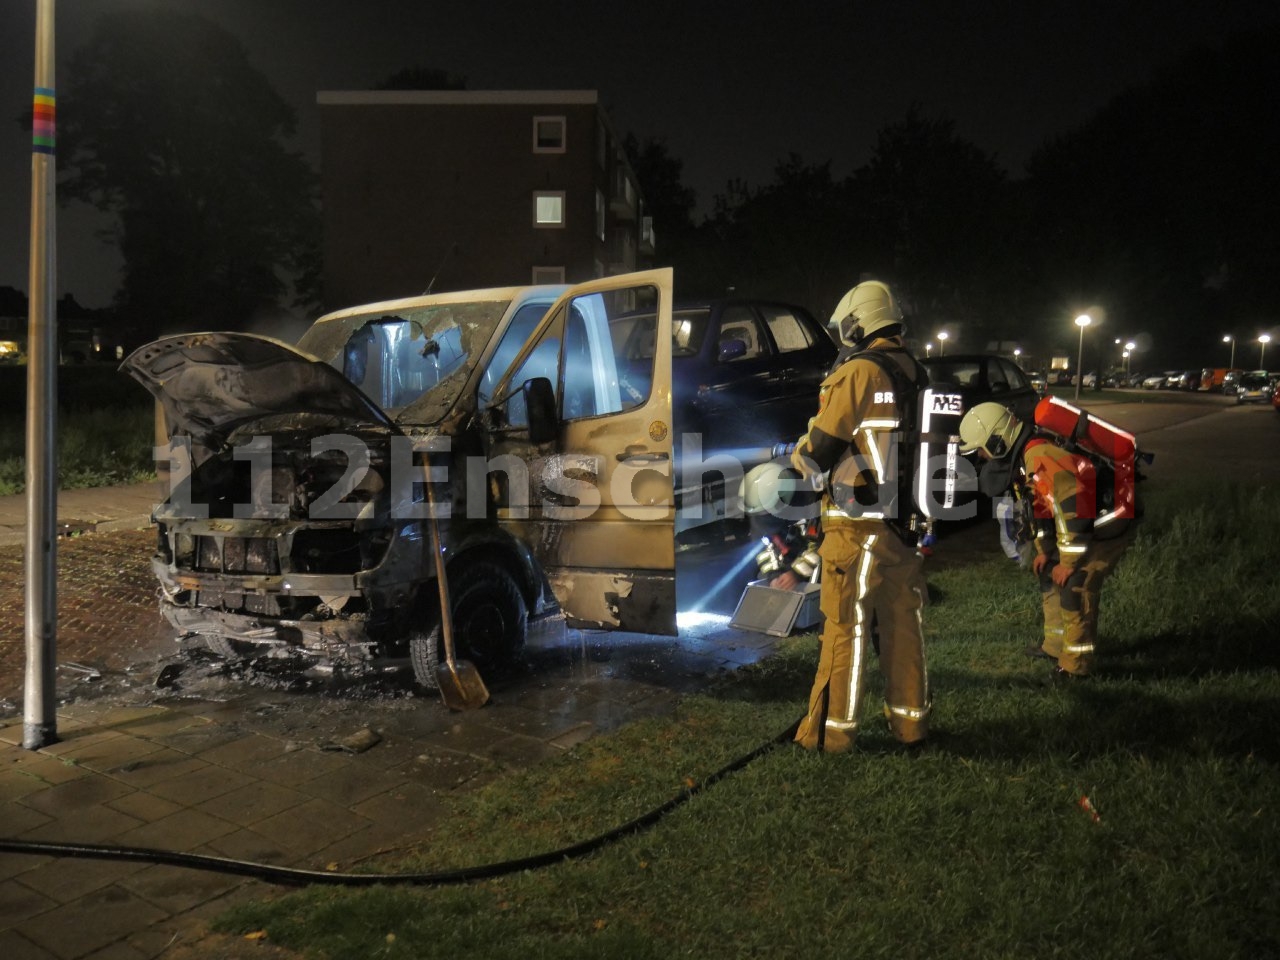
x: 871, y: 570
x: 1076, y: 545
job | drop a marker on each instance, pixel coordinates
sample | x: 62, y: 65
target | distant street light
x: 1263, y: 339
x: 1082, y: 321
x: 942, y: 343
x: 1228, y: 338
x: 928, y: 348
x: 1128, y: 354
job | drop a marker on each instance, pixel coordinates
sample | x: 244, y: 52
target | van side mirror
x: 540, y: 403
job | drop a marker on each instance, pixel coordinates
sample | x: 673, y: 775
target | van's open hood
x: 210, y: 384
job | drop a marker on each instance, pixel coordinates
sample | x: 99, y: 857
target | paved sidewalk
x: 160, y: 749
x: 98, y: 509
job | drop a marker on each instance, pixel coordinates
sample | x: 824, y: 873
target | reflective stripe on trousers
x: 870, y: 579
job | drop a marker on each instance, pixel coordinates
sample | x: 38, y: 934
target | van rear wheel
x: 489, y: 622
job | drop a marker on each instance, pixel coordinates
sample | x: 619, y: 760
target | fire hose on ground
x: 298, y: 877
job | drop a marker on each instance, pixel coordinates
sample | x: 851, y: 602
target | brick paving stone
x: 200, y: 785
x: 144, y: 806
x: 14, y: 946
x: 311, y: 827
x: 176, y: 889
x: 17, y: 819
x: 63, y: 879
x: 155, y: 767
x: 90, y: 923
x: 75, y: 795
x: 298, y: 767
x: 246, y: 751
x: 372, y: 843
x: 16, y: 864
x: 38, y: 766
x: 74, y: 741
x: 408, y: 804
x: 253, y: 802
x: 19, y: 902
x: 120, y: 950
x: 517, y: 752
x: 349, y: 784
x: 103, y: 755
x: 107, y: 613
x: 530, y: 722
x: 183, y: 830
x: 440, y: 770
x: 15, y: 784
x: 578, y: 734
x: 246, y: 844
x: 98, y: 824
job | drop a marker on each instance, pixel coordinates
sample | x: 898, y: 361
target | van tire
x: 490, y: 623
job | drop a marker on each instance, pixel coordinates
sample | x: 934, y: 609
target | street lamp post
x: 1228, y: 338
x: 942, y: 343
x: 1128, y: 355
x: 1264, y: 339
x: 928, y: 348
x: 1082, y: 321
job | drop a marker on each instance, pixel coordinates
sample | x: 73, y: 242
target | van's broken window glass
x: 394, y: 361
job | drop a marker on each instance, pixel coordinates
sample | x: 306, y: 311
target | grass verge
x: 976, y: 847
x: 96, y: 448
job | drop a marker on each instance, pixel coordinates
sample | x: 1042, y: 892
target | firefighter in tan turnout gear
x: 872, y: 575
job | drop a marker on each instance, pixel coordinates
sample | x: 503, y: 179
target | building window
x: 548, y: 275
x: 548, y: 134
x: 600, y: 210
x: 548, y: 208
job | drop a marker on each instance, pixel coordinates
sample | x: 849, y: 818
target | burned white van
x: 297, y: 517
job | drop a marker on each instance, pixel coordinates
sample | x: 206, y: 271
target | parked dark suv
x: 979, y: 377
x: 743, y: 371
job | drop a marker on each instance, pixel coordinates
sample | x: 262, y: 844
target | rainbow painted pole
x: 40, y: 724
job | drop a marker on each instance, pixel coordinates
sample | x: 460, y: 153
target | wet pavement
x: 165, y: 746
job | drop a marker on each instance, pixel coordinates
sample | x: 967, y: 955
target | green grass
x: 976, y: 847
x: 96, y: 448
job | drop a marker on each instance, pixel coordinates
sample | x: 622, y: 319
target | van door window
x: 543, y: 361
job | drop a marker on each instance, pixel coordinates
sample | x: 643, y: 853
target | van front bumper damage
x: 238, y: 581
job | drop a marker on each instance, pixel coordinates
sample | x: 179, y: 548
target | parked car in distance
x: 1254, y: 387
x: 979, y: 377
x: 1185, y: 380
x: 1275, y: 399
x: 1214, y: 378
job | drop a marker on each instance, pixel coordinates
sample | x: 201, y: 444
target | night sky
x: 733, y: 87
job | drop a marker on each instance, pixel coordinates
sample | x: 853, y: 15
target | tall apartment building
x: 455, y: 190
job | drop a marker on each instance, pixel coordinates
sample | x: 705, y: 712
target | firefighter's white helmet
x: 868, y: 307
x: 768, y: 486
x: 989, y: 427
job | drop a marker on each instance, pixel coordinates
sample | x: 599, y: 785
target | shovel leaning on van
x: 461, y: 687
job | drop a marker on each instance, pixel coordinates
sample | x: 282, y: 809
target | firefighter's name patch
x: 884, y: 396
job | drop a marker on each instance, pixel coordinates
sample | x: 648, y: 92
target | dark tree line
x: 1160, y: 211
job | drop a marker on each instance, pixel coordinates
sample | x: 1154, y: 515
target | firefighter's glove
x: 1039, y: 563
x: 806, y: 564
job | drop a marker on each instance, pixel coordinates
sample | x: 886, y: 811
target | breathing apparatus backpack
x: 1115, y: 457
x: 926, y: 453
